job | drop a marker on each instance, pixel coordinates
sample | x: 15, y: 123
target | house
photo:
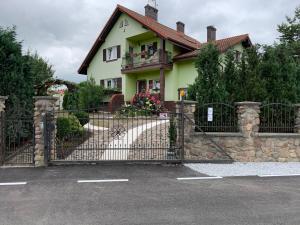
x: 135, y: 52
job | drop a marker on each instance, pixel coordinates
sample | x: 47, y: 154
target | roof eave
x: 90, y: 55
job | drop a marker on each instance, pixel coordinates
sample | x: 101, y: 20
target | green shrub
x: 90, y: 95
x: 172, y: 132
x: 70, y: 101
x: 82, y: 116
x: 68, y: 127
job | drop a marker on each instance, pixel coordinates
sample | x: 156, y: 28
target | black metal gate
x: 17, y: 139
x: 100, y: 136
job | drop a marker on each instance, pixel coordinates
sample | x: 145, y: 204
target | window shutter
x: 102, y: 83
x: 119, y: 83
x: 119, y: 51
x: 104, y: 55
x: 142, y: 51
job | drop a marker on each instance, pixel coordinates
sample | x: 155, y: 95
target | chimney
x: 211, y: 33
x: 180, y: 26
x: 151, y: 12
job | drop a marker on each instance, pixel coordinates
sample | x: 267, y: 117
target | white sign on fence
x: 163, y: 115
x: 210, y: 112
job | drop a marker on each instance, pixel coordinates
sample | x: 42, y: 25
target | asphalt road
x: 152, y: 195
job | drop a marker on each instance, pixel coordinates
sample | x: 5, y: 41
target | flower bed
x: 147, y: 101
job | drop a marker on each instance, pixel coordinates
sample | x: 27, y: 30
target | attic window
x: 125, y: 22
x: 238, y: 56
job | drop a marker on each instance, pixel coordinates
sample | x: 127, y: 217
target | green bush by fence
x: 82, y: 116
x: 68, y: 126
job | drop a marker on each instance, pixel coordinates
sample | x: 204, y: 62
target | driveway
x: 143, y: 194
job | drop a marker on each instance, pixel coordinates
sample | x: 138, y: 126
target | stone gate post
x: 186, y: 132
x: 248, y: 118
x: 2, y: 136
x: 297, y: 121
x: 42, y: 105
x: 248, y: 123
x: 188, y: 108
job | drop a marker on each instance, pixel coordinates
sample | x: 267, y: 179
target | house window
x: 123, y: 23
x: 154, y: 85
x: 126, y: 23
x: 149, y: 49
x: 114, y: 83
x: 237, y: 56
x: 112, y: 53
x: 109, y: 84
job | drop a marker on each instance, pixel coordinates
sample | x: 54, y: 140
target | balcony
x: 142, y: 62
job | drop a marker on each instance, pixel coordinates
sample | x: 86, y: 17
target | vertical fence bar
x: 2, y: 138
x: 46, y: 139
x: 2, y: 130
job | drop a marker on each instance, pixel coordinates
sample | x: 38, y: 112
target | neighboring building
x: 134, y: 53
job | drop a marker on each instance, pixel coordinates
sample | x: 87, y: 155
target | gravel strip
x: 246, y: 169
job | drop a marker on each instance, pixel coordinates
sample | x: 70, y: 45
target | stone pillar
x: 184, y: 136
x: 42, y: 105
x: 188, y: 108
x: 248, y: 117
x: 297, y: 121
x: 2, y: 138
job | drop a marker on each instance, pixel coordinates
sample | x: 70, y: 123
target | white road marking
x: 278, y: 175
x: 198, y: 178
x: 13, y: 183
x: 102, y: 181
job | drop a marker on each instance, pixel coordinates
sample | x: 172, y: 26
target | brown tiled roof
x: 222, y: 45
x: 161, y: 30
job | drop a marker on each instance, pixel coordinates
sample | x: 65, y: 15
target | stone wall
x: 247, y: 145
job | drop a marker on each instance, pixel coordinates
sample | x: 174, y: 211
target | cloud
x: 63, y: 31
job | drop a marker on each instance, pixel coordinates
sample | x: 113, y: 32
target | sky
x: 63, y: 31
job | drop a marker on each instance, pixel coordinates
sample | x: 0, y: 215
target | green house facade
x: 136, y: 53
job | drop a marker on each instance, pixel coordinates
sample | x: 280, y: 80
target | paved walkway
x: 102, y: 146
x: 117, y: 148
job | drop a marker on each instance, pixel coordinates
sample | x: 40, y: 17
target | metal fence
x: 18, y: 139
x: 108, y: 137
x: 216, y: 117
x: 277, y: 118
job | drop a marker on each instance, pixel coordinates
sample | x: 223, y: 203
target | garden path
x: 101, y: 146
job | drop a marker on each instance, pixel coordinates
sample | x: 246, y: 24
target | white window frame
x: 112, y: 53
x: 112, y: 81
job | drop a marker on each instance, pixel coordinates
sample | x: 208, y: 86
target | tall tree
x: 19, y: 73
x: 251, y: 83
x: 209, y: 84
x: 290, y: 30
x: 231, y: 78
x: 281, y: 71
